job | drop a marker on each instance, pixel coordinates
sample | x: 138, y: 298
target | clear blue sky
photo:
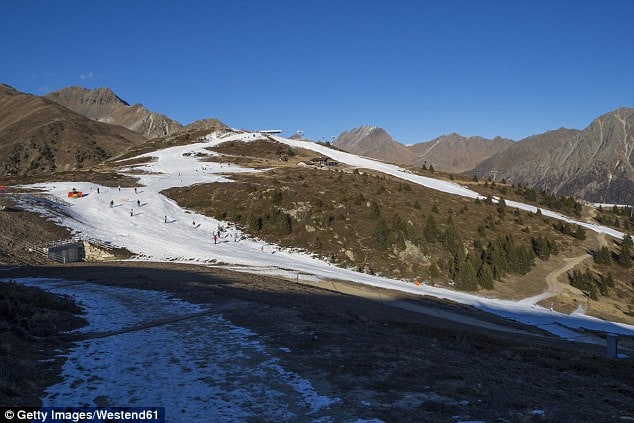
x: 418, y: 69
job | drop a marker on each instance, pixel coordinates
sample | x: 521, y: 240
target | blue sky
x: 418, y: 69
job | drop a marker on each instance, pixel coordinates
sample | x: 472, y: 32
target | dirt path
x: 555, y: 288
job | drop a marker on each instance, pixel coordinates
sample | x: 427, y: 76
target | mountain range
x: 595, y: 164
x: 75, y: 128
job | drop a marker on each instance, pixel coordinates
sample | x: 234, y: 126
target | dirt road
x: 555, y: 288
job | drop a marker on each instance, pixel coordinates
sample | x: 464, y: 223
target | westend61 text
x: 153, y: 415
x: 76, y: 416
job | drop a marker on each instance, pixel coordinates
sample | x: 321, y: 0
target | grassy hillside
x: 378, y: 224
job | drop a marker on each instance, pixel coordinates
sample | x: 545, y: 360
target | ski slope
x: 157, y: 229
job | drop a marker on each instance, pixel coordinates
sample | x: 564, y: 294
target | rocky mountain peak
x: 371, y: 141
x: 103, y: 105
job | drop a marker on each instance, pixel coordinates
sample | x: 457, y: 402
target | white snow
x: 187, y: 236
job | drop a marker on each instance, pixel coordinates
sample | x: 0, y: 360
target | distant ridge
x: 455, y: 153
x: 595, y: 164
x: 450, y: 153
x: 101, y: 104
x: 370, y: 141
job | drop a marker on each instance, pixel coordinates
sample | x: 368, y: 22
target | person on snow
x: 215, y: 238
x: 131, y: 212
x: 111, y: 203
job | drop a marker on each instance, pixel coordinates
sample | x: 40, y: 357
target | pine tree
x: 541, y: 247
x: 430, y: 232
x: 382, y: 234
x: 580, y: 233
x: 603, y: 256
x: 485, y: 276
x: 466, y: 278
x: 625, y: 259
x: 399, y: 231
x: 434, y: 271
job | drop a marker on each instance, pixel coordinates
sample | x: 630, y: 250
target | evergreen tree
x: 580, y: 233
x: 501, y: 208
x: 625, y: 258
x: 466, y: 279
x: 540, y: 247
x: 434, y: 271
x: 399, y: 231
x: 382, y: 234
x: 431, y: 232
x: 485, y: 276
x: 283, y: 222
x: 585, y: 282
x: 254, y: 222
x: 603, y: 256
x: 605, y: 282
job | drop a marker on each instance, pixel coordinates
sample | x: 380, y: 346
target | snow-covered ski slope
x: 157, y: 229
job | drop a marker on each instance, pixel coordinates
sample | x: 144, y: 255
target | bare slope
x: 103, y: 105
x: 39, y: 136
x: 595, y: 164
x: 529, y: 161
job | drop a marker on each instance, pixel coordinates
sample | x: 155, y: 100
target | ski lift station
x: 269, y: 131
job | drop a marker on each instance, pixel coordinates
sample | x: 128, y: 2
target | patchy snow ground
x: 157, y: 229
x: 200, y: 369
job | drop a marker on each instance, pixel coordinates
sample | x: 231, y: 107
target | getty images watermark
x: 82, y: 414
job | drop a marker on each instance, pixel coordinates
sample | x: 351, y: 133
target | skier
x: 111, y: 203
x: 215, y: 238
x: 97, y: 190
x: 131, y: 212
x: 165, y: 219
x: 138, y: 203
x: 135, y: 190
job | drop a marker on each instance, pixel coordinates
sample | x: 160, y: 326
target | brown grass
x: 334, y: 212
